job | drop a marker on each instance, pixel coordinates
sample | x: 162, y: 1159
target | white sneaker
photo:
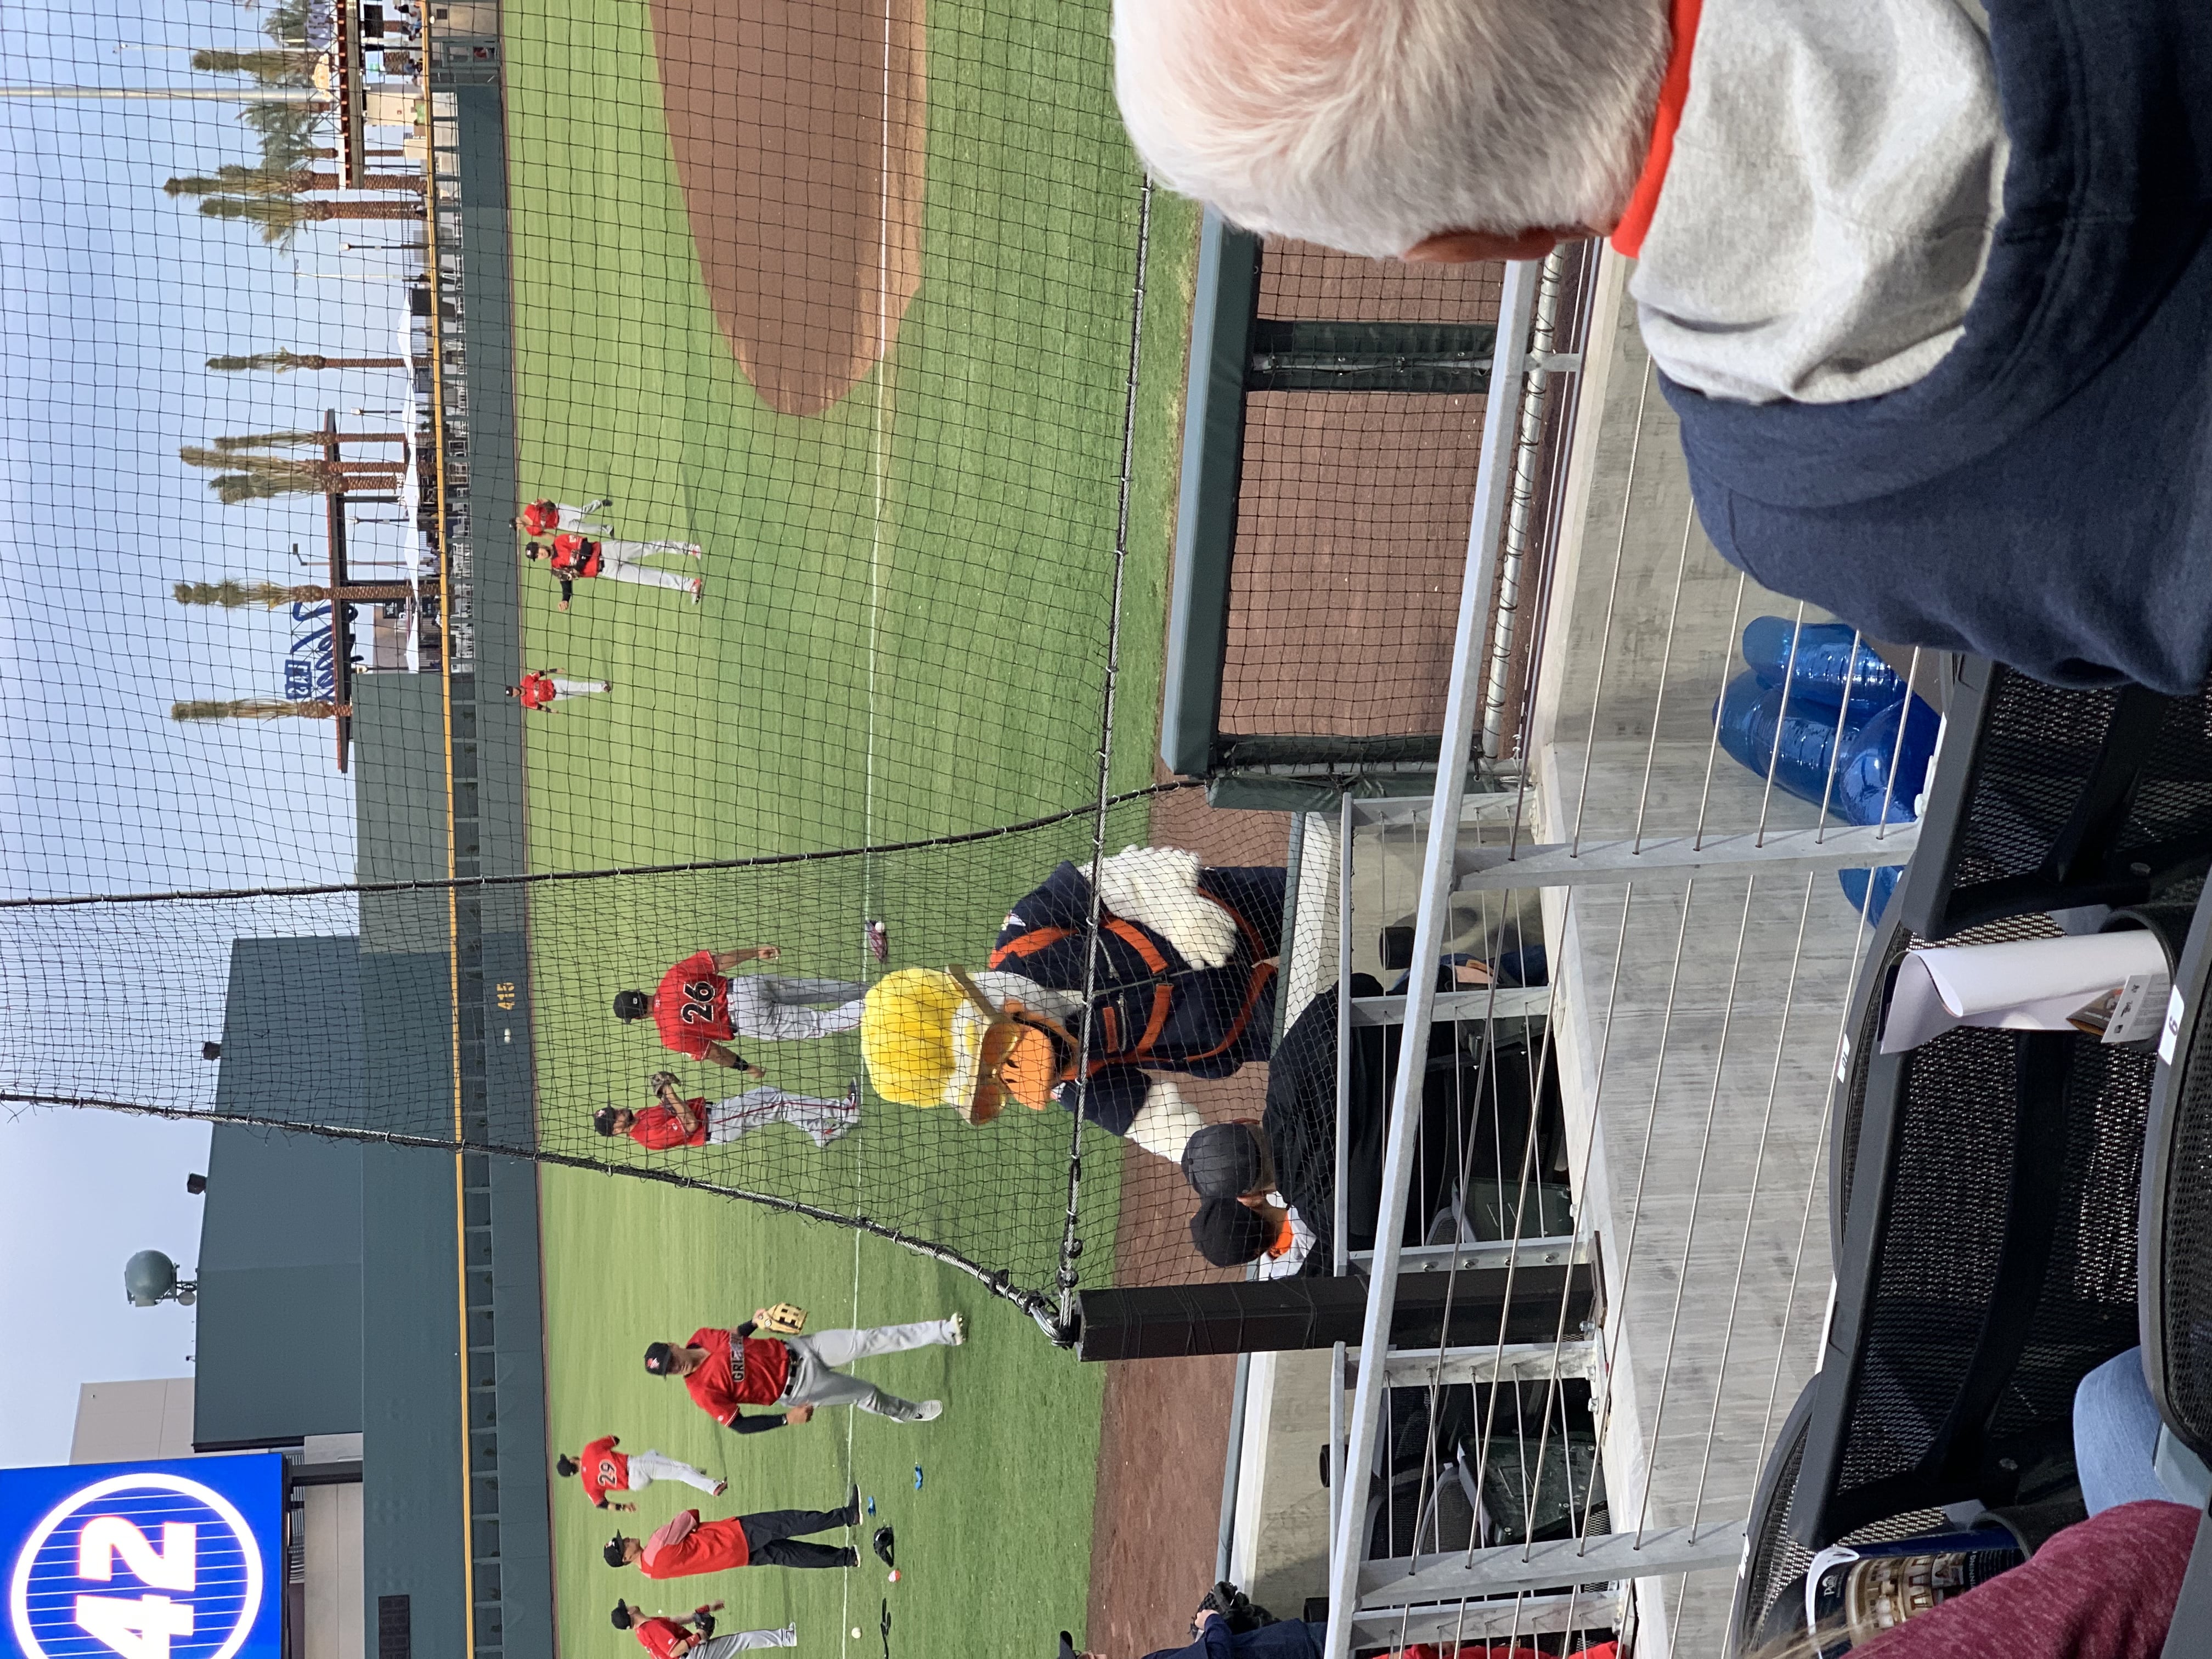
x: 788, y: 1637
x: 928, y: 1412
x: 959, y: 1323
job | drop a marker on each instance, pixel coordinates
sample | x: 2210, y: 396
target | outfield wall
x: 455, y: 1438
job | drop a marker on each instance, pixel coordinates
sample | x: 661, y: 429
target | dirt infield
x: 1166, y: 1431
x: 800, y: 131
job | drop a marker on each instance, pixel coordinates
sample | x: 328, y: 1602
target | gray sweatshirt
x: 1835, y: 178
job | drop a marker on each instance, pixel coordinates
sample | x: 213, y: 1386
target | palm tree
x: 280, y: 216
x: 298, y: 439
x: 233, y: 488
x: 284, y: 362
x: 284, y: 68
x: 284, y: 466
x: 289, y: 181
x: 249, y: 708
x: 288, y: 132
x: 259, y: 477
x: 233, y: 595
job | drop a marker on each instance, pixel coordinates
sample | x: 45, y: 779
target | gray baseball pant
x: 772, y: 1008
x: 722, y: 1647
x: 816, y: 1379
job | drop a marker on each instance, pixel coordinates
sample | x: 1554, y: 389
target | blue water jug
x: 1855, y: 889
x: 1862, y: 781
x: 1748, y: 713
x: 1747, y: 716
x: 1826, y: 665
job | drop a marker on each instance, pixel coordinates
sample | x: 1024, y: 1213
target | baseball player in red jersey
x: 725, y: 1370
x: 574, y: 557
x: 665, y: 1637
x: 675, y: 1121
x: 542, y: 688
x: 606, y: 1471
x: 699, y: 1006
x: 547, y: 518
x: 687, y: 1546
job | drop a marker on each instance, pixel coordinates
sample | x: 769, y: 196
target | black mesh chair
x: 1984, y: 1193
x: 2046, y: 799
x: 1862, y: 1037
x: 1769, y: 1586
x: 2176, y: 1250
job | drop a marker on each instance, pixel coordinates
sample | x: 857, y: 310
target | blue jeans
x: 2116, y: 1435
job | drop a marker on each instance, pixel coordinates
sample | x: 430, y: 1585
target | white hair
x: 1369, y: 125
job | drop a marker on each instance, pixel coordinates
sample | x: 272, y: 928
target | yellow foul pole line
x: 453, y: 851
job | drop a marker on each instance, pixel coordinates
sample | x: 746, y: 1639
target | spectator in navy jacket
x: 1928, y: 289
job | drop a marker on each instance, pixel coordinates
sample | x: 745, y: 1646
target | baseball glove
x: 703, y: 1622
x: 1238, y: 1611
x: 784, y: 1320
x: 661, y: 1080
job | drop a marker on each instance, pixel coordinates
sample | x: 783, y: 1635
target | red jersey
x: 718, y: 1387
x: 575, y: 556
x: 536, y: 690
x: 692, y: 1007
x: 657, y: 1129
x: 705, y: 1546
x: 603, y: 1470
x: 541, y: 518
x: 661, y: 1637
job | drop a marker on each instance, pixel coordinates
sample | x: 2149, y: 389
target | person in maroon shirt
x: 548, y: 517
x: 605, y: 1470
x: 542, y: 688
x: 575, y: 557
x: 2103, y: 1589
x: 725, y: 1370
x: 677, y: 1121
x: 687, y: 1546
x: 665, y: 1637
x: 698, y: 1007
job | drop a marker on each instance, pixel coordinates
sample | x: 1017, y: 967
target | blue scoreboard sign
x: 173, y: 1560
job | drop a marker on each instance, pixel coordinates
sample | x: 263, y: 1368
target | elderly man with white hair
x: 1928, y: 286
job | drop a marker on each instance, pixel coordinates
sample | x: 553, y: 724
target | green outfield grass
x: 904, y: 636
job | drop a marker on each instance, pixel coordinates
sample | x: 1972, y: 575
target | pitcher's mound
x: 800, y: 130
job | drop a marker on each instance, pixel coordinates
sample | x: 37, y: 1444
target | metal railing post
x: 1463, y: 712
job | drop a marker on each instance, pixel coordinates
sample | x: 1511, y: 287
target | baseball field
x: 842, y: 291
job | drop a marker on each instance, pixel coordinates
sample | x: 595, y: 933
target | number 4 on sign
x: 138, y: 1629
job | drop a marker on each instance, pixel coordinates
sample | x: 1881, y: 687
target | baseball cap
x: 612, y: 1554
x: 1222, y: 1158
x: 1228, y: 1234
x: 659, y: 1358
x: 620, y: 1617
x: 632, y: 1004
x: 603, y: 1119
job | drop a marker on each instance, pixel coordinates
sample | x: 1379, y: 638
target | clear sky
x: 113, y: 296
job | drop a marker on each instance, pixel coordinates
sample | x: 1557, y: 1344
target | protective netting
x: 1363, y: 429
x: 804, y: 348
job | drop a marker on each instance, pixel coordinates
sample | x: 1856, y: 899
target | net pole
x: 1062, y: 1327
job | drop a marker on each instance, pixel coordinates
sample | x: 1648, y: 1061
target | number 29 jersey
x: 692, y: 1007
